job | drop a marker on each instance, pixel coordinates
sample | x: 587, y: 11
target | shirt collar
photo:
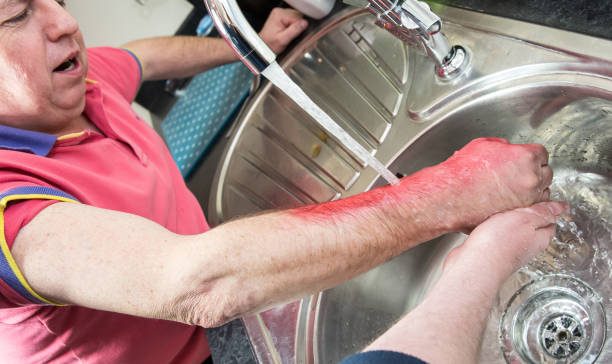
x: 26, y: 141
x: 32, y: 141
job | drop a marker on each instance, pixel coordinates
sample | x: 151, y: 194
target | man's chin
x: 71, y: 105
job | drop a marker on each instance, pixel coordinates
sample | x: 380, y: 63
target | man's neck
x: 80, y: 124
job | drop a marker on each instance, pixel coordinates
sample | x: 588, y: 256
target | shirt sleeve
x: 381, y: 357
x: 18, y: 206
x: 118, y: 68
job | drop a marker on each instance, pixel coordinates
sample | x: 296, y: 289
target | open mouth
x: 68, y: 65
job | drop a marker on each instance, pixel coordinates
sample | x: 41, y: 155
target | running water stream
x: 280, y: 79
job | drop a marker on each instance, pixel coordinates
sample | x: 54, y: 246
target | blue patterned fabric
x: 209, y: 102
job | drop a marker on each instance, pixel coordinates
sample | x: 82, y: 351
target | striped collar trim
x: 26, y: 141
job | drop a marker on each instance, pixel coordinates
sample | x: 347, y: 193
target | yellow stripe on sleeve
x: 4, y: 244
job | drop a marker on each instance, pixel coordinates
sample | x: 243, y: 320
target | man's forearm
x: 183, y: 56
x: 180, y: 56
x: 282, y: 256
x: 244, y: 266
x: 448, y: 326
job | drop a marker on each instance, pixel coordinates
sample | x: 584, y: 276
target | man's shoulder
x: 115, y: 67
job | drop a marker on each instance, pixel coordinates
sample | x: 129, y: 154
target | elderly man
x: 106, y: 256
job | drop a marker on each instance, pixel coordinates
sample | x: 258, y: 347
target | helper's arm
x: 447, y: 327
x: 184, y: 56
x: 114, y: 261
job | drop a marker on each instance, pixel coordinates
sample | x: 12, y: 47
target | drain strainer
x: 562, y: 336
x: 555, y: 319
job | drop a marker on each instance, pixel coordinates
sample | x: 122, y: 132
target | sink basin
x: 526, y: 83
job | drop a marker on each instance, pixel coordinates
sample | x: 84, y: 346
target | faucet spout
x: 238, y: 33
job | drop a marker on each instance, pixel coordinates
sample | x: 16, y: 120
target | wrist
x: 434, y: 193
x: 478, y: 260
x: 474, y: 280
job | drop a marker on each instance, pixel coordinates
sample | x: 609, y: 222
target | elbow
x: 209, y: 314
x: 212, y: 307
x: 138, y: 49
x: 210, y: 296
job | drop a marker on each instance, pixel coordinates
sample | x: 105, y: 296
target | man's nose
x: 58, y: 22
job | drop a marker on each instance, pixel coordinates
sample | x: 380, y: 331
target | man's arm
x: 184, y: 56
x: 115, y: 261
x: 447, y: 327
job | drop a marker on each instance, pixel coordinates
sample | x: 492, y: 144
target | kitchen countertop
x: 592, y: 17
x: 229, y: 343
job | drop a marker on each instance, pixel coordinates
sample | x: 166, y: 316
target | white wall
x: 114, y: 22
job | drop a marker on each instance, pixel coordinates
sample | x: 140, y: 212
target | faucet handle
x: 413, y: 22
x: 411, y: 14
x: 418, y: 14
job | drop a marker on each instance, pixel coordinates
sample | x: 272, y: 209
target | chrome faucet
x: 239, y: 34
x: 413, y: 22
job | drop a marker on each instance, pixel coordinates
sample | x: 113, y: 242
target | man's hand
x: 180, y: 56
x: 470, y: 281
x: 281, y: 27
x: 508, y: 240
x: 487, y: 176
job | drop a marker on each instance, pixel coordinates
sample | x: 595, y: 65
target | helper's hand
x: 470, y: 281
x: 489, y: 175
x: 281, y: 27
x: 506, y: 241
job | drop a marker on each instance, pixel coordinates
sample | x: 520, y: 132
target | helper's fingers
x: 543, y: 236
x: 546, y: 214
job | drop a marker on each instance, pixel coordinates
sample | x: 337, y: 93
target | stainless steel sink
x: 525, y: 82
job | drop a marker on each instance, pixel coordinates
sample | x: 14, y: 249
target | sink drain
x: 555, y: 319
x: 562, y: 336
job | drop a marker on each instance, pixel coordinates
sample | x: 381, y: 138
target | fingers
x: 547, y: 213
x: 290, y: 16
x: 540, y: 153
x: 543, y: 236
x: 282, y: 26
x: 293, y: 30
x: 499, y: 140
x: 545, y: 194
x: 287, y: 12
x: 491, y: 139
x: 286, y: 17
x: 547, y: 177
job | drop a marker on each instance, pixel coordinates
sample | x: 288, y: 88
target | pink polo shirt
x: 126, y: 168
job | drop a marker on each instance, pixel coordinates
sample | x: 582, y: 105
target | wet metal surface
x: 525, y: 83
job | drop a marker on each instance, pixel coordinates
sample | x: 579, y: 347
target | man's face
x: 43, y: 65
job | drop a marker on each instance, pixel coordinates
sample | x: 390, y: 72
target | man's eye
x: 62, y: 3
x: 19, y: 18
